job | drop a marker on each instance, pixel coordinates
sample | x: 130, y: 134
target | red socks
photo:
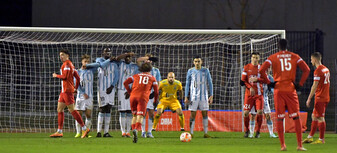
x: 280, y: 131
x: 298, y: 129
x: 77, y: 117
x: 138, y: 126
x: 259, y: 122
x: 314, y: 125
x: 60, y: 118
x: 322, y: 126
x: 246, y: 121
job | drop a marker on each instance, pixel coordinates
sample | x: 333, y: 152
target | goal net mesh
x: 29, y: 94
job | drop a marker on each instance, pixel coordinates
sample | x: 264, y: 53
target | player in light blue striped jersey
x: 150, y: 106
x: 198, y: 84
x: 126, y: 69
x: 84, y: 99
x: 107, y: 79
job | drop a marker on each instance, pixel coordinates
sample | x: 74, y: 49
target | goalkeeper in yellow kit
x: 168, y: 97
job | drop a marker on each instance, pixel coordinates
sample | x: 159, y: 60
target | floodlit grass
x: 163, y: 142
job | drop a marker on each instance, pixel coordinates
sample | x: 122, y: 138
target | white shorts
x: 266, y: 109
x: 104, y: 99
x: 84, y: 104
x: 150, y: 104
x: 123, y: 104
x: 201, y: 105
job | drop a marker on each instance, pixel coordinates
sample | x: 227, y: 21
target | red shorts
x: 286, y: 100
x: 319, y: 109
x: 67, y: 98
x: 251, y: 101
x: 138, y: 105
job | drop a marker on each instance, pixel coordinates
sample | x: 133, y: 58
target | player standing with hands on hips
x: 284, y: 64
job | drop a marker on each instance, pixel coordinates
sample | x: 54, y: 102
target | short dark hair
x: 65, y: 51
x: 317, y: 55
x: 196, y: 56
x: 283, y: 44
x: 85, y: 56
x: 255, y: 53
x: 145, y: 67
x: 148, y: 55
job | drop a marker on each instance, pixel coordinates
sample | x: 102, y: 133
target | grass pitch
x: 163, y: 142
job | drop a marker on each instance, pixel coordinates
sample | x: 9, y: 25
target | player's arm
x: 155, y: 89
x: 122, y: 56
x: 126, y: 84
x: 312, y: 92
x: 263, y: 70
x: 140, y: 60
x: 210, y: 86
x: 305, y: 71
x: 115, y: 80
x: 77, y: 77
x: 160, y: 90
x: 187, y: 86
x: 244, y: 79
x: 65, y: 73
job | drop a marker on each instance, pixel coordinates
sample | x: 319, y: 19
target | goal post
x: 29, y: 56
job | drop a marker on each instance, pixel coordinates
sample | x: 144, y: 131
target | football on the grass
x: 185, y: 137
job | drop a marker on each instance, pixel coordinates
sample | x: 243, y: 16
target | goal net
x: 29, y: 56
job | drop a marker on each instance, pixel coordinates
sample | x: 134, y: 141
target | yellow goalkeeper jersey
x: 169, y: 91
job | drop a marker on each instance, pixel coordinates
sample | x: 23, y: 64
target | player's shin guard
x: 322, y: 126
x: 280, y: 131
x: 270, y: 126
x: 60, y: 120
x: 314, y: 125
x: 192, y: 122
x: 205, y: 124
x: 182, y: 121
x: 155, y: 121
x: 122, y: 121
x: 298, y: 129
x: 100, y: 121
x: 143, y: 125
x: 77, y: 117
x: 149, y: 125
x: 107, y: 122
x: 78, y: 127
x: 246, y: 122
x: 128, y: 122
x: 88, y: 123
x: 259, y: 122
x: 252, y: 126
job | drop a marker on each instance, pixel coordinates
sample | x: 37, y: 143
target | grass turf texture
x: 163, y: 142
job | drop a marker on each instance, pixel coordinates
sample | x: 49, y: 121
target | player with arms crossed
x: 107, y: 80
x: 126, y: 69
x: 66, y: 98
x: 321, y: 89
x: 139, y: 95
x: 169, y: 89
x: 284, y: 64
x: 150, y: 107
x: 266, y: 111
x: 197, y: 80
x: 253, y: 94
x: 84, y: 99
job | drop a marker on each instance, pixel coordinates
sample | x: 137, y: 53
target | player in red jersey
x: 139, y: 95
x: 320, y: 88
x: 253, y: 94
x: 66, y: 98
x: 284, y: 64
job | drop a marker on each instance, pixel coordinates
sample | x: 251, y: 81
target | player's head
x: 255, y: 58
x: 127, y: 58
x: 106, y: 53
x: 148, y: 55
x: 283, y: 44
x: 145, y: 67
x: 316, y: 58
x: 197, y: 62
x: 64, y: 55
x: 171, y: 77
x: 85, y: 59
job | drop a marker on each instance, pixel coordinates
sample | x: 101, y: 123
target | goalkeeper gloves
x: 153, y: 59
x: 109, y: 90
x: 127, y: 95
x: 151, y: 95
